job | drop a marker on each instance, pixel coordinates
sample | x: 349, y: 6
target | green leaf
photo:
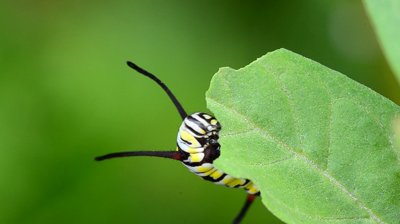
x: 385, y: 16
x: 319, y: 145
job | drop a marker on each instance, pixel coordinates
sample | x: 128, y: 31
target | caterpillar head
x: 198, y: 136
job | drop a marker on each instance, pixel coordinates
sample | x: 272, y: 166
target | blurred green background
x: 66, y: 96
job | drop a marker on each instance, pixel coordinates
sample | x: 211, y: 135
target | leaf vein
x: 290, y: 102
x: 265, y: 134
x: 329, y: 128
x: 378, y: 122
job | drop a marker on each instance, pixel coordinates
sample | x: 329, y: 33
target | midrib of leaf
x: 267, y: 135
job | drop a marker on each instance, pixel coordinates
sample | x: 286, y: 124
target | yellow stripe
x: 227, y: 179
x: 251, y: 188
x: 236, y: 182
x: 194, y: 150
x: 202, y: 131
x: 190, y: 138
x: 253, y: 191
x: 217, y: 174
x: 196, y: 157
x: 203, y: 169
x: 210, y: 172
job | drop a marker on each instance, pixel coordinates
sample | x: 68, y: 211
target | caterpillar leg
x: 249, y: 200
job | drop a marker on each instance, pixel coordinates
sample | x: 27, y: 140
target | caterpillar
x: 197, y: 148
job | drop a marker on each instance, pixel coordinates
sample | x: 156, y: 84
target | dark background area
x: 66, y: 96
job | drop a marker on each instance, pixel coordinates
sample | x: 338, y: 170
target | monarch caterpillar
x: 197, y: 148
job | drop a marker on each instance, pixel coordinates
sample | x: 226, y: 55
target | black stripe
x: 230, y: 181
x: 193, y: 163
x: 220, y: 178
x: 205, y: 171
x: 202, y: 116
x: 241, y: 185
x: 247, y: 181
x: 208, y: 178
x: 202, y: 141
x: 197, y: 122
x: 189, y: 143
x: 192, y: 130
x: 214, y: 180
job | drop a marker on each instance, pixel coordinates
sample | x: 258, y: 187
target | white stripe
x: 194, y: 134
x: 194, y: 169
x: 197, y: 117
x: 193, y: 125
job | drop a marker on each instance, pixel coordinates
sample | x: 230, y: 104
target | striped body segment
x: 198, y: 140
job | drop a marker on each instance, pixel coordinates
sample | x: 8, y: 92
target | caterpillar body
x: 198, y: 141
x: 197, y: 148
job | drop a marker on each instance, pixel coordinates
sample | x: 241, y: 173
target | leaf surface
x: 385, y: 16
x: 319, y: 145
